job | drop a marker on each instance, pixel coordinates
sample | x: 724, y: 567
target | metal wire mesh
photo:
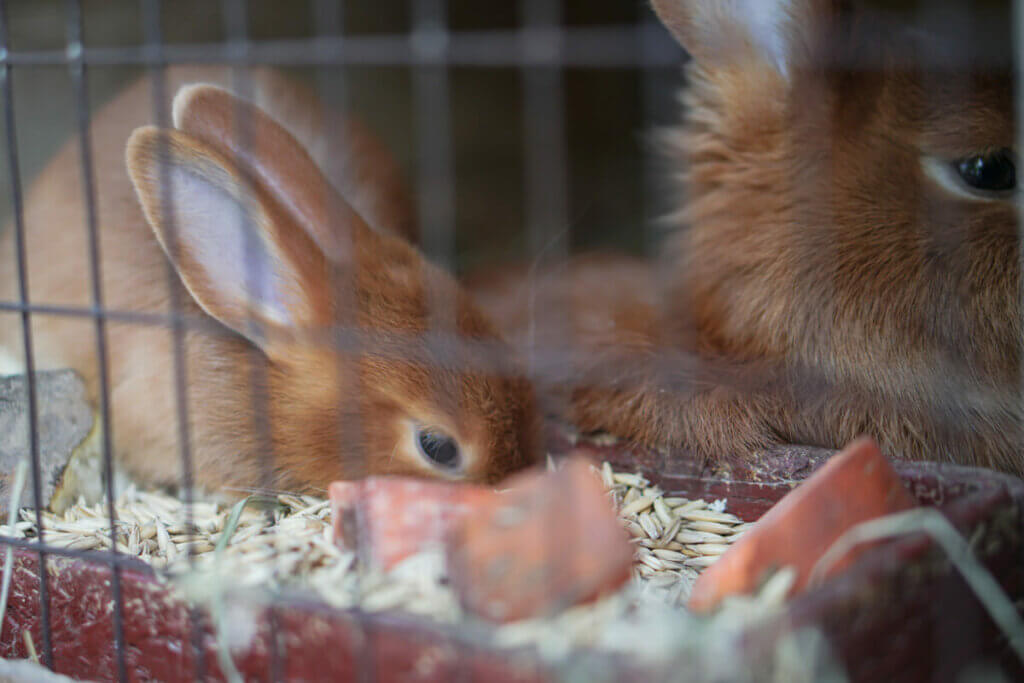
x: 541, y: 47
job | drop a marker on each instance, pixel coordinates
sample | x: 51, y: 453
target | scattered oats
x: 197, y: 546
x: 630, y: 479
x: 693, y: 537
x: 650, y: 560
x: 675, y: 537
x: 632, y: 494
x: 711, y: 527
x: 163, y: 539
x: 690, y: 505
x: 671, y: 555
x: 286, y: 543
x: 90, y: 542
x: 662, y: 580
x: 670, y: 532
x: 135, y: 541
x: 172, y: 552
x: 646, y: 571
x: 711, y: 548
x: 710, y: 516
x: 663, y: 512
x: 291, y: 501
x: 634, y: 529
x: 638, y: 505
x: 704, y: 561
x: 649, y: 525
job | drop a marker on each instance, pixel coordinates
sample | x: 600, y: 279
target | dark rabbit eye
x: 438, y: 447
x: 994, y: 172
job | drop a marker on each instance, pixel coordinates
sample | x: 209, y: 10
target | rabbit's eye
x: 995, y: 172
x: 438, y: 447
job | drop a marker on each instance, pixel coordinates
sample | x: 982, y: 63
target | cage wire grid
x: 541, y: 49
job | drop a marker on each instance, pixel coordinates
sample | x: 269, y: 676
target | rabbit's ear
x: 717, y: 32
x: 241, y: 257
x: 277, y: 160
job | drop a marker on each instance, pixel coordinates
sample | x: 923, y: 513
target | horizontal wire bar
x: 194, y: 322
x: 670, y: 369
x: 613, y: 46
x: 104, y: 557
x: 439, y: 349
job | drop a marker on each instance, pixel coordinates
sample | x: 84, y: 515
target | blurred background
x: 587, y: 121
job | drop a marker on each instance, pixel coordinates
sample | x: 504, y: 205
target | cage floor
x: 902, y: 587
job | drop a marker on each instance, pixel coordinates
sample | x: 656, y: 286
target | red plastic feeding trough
x: 901, y: 612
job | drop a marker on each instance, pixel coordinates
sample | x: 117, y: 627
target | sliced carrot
x: 551, y: 541
x: 854, y: 486
x: 387, y: 519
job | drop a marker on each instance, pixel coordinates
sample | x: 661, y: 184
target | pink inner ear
x: 770, y: 25
x: 276, y: 159
x: 221, y: 236
x: 726, y: 30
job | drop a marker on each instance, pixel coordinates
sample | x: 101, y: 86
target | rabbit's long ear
x: 240, y: 255
x: 282, y: 165
x: 779, y: 33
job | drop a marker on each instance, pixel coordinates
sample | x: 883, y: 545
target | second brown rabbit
x: 845, y: 258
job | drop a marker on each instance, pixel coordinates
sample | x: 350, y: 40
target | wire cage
x: 515, y: 138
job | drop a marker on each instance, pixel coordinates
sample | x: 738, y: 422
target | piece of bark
x: 854, y: 486
x: 64, y: 419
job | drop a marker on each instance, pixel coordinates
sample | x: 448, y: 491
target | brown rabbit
x: 845, y: 259
x: 238, y: 205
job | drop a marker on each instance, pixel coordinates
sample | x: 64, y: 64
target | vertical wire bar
x: 21, y: 258
x: 332, y: 94
x: 80, y: 81
x: 332, y: 91
x: 435, y: 168
x: 546, y: 152
x: 813, y: 206
x: 154, y: 46
x: 948, y: 69
x: 236, y: 23
x: 547, y: 180
x: 435, y: 171
x: 1018, y: 99
x: 652, y: 85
